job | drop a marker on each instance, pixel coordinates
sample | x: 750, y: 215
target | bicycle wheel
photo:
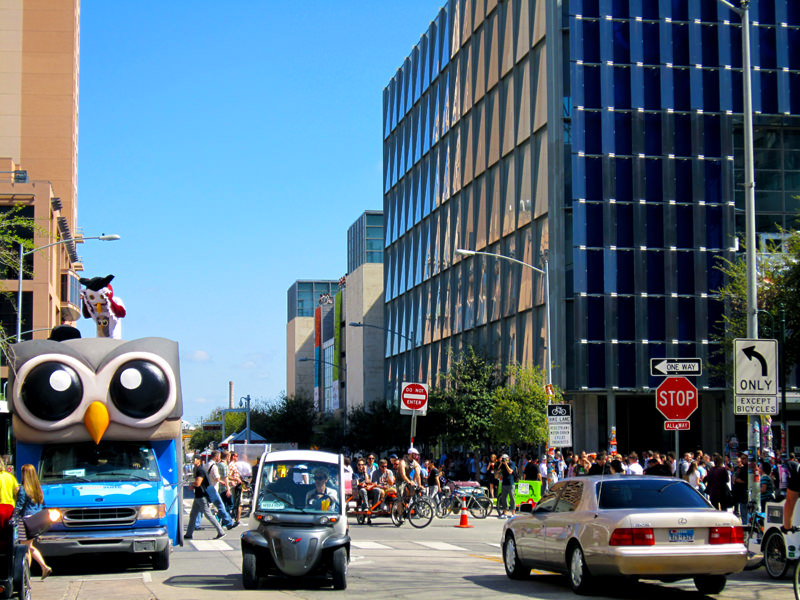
x: 752, y: 536
x: 480, y: 507
x: 796, y: 580
x: 441, y: 507
x: 398, y: 512
x: 420, y: 512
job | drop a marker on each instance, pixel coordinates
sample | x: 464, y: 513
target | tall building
x: 39, y: 49
x: 601, y: 136
x: 363, y: 303
x: 303, y: 297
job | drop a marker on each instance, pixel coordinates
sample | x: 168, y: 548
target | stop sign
x: 414, y: 396
x: 676, y: 398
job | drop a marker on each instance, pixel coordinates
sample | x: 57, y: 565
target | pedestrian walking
x: 200, y: 504
x: 30, y: 501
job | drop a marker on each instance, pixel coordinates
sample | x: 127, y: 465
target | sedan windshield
x: 299, y: 486
x: 106, y: 461
x: 645, y: 492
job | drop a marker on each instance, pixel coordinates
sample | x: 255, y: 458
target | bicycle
x: 419, y: 510
x: 478, y: 504
x: 796, y: 574
x: 754, y: 534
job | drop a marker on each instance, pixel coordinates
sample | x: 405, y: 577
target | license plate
x: 684, y: 536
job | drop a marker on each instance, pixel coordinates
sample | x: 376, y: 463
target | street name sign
x: 676, y: 366
x: 755, y: 376
x: 559, y: 425
x: 414, y: 398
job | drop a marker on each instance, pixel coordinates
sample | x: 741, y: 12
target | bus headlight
x: 152, y: 511
x: 54, y: 514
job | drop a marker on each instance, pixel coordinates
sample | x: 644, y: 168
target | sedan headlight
x: 152, y: 511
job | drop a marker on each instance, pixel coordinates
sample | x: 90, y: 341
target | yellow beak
x: 96, y: 420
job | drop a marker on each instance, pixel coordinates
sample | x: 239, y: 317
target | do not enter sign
x: 414, y: 397
x: 676, y: 398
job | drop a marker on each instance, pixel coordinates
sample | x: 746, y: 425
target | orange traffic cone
x: 464, y: 521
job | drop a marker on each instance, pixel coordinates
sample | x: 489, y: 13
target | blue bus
x: 101, y: 420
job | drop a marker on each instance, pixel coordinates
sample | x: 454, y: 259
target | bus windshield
x: 106, y: 461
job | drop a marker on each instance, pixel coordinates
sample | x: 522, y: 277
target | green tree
x: 377, y: 428
x: 778, y: 295
x: 290, y: 419
x: 520, y: 409
x: 464, y: 402
x: 200, y: 439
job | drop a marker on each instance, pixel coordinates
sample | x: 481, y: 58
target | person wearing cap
x: 409, y: 473
x: 505, y: 501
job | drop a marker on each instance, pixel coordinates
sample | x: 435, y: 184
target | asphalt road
x: 440, y: 561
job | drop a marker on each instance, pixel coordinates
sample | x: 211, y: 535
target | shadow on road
x: 555, y: 586
x: 233, y: 581
x: 101, y: 564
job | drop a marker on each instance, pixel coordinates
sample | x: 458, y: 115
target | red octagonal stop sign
x: 676, y: 398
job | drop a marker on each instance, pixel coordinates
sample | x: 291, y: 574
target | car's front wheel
x: 710, y: 584
x: 580, y: 580
x: 340, y: 568
x: 249, y: 576
x: 511, y: 562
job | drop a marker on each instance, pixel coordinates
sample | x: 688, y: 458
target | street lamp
x: 546, y: 273
x: 22, y: 254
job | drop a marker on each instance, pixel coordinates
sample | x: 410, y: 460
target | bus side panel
x: 166, y: 456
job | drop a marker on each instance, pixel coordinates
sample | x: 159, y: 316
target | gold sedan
x: 628, y: 525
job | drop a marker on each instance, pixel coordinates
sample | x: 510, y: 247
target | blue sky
x: 231, y: 145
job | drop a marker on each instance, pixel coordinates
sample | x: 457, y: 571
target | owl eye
x: 139, y: 389
x: 51, y: 391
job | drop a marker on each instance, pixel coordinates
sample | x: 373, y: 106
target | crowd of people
x: 217, y: 482
x: 723, y: 479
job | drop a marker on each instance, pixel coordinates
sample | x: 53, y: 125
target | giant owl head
x: 93, y: 389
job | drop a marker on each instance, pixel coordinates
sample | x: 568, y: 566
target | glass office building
x: 604, y: 136
x: 365, y: 240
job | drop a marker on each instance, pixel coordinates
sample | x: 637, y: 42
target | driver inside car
x: 321, y: 497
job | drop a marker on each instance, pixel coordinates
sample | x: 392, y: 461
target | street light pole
x: 22, y: 254
x: 743, y: 10
x: 546, y: 273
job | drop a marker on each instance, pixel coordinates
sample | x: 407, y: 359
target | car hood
x: 103, y: 493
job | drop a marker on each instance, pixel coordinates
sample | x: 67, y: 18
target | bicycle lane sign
x: 559, y: 425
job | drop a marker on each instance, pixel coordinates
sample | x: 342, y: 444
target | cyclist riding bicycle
x: 409, y: 474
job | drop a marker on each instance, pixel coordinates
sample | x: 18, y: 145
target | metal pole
x: 248, y: 418
x: 19, y: 295
x: 782, y: 374
x: 549, y: 353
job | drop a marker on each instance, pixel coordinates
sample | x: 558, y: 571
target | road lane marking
x: 369, y: 545
x: 441, y: 546
x: 493, y: 544
x: 210, y: 545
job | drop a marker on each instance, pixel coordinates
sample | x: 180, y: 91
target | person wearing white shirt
x: 632, y: 466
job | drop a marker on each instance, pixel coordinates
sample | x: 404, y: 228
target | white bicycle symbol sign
x: 558, y: 411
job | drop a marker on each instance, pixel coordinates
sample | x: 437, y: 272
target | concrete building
x: 606, y: 138
x: 363, y: 303
x: 39, y: 49
x: 303, y: 297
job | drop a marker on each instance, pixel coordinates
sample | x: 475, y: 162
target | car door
x: 531, y: 530
x: 561, y: 523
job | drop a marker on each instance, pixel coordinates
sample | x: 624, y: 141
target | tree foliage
x: 290, y: 419
x: 464, y: 400
x: 377, y: 428
x: 778, y: 295
x: 520, y: 410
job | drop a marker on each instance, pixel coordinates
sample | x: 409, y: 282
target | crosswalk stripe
x: 369, y: 545
x: 493, y: 544
x: 441, y: 546
x: 210, y: 545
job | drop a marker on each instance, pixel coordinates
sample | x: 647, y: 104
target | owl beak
x: 96, y: 420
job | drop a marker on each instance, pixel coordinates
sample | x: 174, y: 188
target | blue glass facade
x: 606, y: 136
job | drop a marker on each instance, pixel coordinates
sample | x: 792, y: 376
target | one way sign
x: 660, y: 367
x: 755, y: 367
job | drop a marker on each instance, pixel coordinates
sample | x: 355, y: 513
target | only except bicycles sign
x: 559, y: 425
